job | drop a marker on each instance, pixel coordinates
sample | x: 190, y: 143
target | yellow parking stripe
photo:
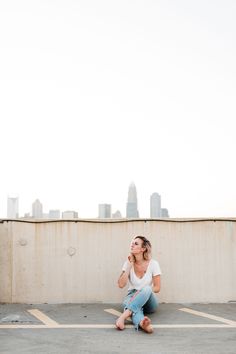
x: 106, y: 326
x: 48, y: 323
x: 116, y: 313
x: 212, y: 317
x: 42, y: 317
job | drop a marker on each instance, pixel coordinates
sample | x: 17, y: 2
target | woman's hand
x: 131, y: 259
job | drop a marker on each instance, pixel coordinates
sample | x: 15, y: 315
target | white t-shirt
x: 137, y: 283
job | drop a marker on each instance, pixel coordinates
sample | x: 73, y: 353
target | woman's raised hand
x: 131, y: 259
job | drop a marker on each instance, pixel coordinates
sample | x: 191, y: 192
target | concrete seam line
x: 123, y: 220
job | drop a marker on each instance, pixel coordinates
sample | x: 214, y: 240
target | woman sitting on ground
x: 143, y: 274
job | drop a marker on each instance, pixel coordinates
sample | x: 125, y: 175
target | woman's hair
x: 147, y: 245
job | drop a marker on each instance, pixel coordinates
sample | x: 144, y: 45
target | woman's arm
x: 156, y: 280
x: 123, y: 279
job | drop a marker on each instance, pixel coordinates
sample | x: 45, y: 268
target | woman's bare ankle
x: 127, y: 313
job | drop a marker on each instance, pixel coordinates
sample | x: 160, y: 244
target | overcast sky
x: 96, y: 94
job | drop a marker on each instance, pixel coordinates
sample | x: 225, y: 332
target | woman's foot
x: 120, y: 323
x: 145, y: 324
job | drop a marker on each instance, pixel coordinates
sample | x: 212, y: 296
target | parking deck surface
x: 89, y: 328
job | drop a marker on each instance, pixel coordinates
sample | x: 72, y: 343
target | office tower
x: 132, y: 203
x: 54, y: 214
x: 104, y: 211
x: 37, y: 209
x: 13, y: 207
x: 69, y: 214
x: 164, y: 213
x: 155, y: 205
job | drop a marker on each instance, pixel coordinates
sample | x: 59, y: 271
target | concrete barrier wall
x: 79, y: 262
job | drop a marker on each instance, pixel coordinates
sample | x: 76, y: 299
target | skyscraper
x: 13, y: 207
x: 104, y: 211
x: 37, y: 209
x: 132, y: 203
x: 155, y: 205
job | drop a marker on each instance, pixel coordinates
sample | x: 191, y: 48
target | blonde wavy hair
x: 147, y: 245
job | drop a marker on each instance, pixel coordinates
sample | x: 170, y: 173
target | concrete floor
x: 89, y: 328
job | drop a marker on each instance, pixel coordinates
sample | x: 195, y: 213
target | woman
x: 143, y: 274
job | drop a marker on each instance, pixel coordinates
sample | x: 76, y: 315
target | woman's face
x: 136, y: 246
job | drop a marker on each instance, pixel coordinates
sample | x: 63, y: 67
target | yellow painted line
x: 50, y: 324
x: 64, y: 326
x: 193, y: 326
x: 116, y: 313
x: 106, y: 326
x: 212, y: 317
x: 23, y: 326
x: 42, y: 317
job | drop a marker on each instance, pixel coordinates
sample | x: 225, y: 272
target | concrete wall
x: 72, y: 262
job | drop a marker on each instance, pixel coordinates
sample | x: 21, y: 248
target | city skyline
x: 108, y: 92
x: 104, y: 209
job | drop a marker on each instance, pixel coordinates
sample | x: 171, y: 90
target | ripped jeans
x: 140, y: 302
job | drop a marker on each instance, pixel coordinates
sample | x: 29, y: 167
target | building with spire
x: 132, y: 202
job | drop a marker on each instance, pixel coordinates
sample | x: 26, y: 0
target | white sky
x: 96, y: 94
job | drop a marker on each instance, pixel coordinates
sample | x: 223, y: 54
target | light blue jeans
x: 140, y: 302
